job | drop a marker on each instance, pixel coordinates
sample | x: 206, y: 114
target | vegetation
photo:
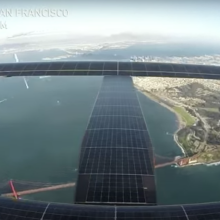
x: 213, y: 138
x: 211, y: 109
x: 185, y: 115
x: 182, y: 138
x: 209, y: 157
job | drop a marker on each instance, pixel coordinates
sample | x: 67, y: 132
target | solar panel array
x: 20, y: 210
x: 110, y: 68
x: 116, y: 153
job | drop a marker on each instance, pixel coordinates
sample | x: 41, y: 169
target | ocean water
x: 42, y: 128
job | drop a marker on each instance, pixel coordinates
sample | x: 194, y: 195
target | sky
x: 190, y: 18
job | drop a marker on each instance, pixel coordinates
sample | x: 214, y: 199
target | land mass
x: 196, y: 103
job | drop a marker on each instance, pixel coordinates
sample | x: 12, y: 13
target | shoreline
x: 180, y: 122
x: 181, y: 125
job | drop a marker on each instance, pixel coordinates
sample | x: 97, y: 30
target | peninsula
x: 196, y: 103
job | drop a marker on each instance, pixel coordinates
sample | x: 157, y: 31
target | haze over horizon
x: 181, y: 19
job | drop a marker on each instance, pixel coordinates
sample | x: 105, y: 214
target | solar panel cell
x: 115, y: 94
x: 204, y: 211
x: 110, y: 66
x: 31, y: 66
x: 43, y: 66
x: 116, y: 189
x: 212, y: 76
x: 116, y: 122
x: 7, y: 67
x: 115, y: 161
x: 166, y: 67
x: 56, y: 66
x: 204, y: 69
x: 21, y: 209
x: 116, y: 139
x: 179, y: 68
x: 176, y: 213
x: 78, y: 212
x: 191, y: 68
x: 152, y: 67
x: 215, y: 70
x: 138, y: 66
x: 69, y: 66
x: 117, y: 110
x: 83, y: 66
x: 124, y: 66
x: 117, y: 101
x: 96, y: 66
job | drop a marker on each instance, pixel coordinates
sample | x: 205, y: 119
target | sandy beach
x: 181, y: 123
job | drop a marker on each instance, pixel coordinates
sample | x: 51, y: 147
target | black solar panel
x: 113, y: 138
x: 96, y: 66
x: 206, y: 211
x: 7, y: 67
x: 110, y: 66
x: 83, y: 66
x: 21, y: 210
x: 117, y: 101
x: 116, y: 122
x: 139, y: 67
x: 192, y: 68
x: 69, y: 66
x: 111, y: 69
x: 166, y: 67
x: 66, y: 212
x: 41, y: 66
x: 115, y: 161
x: 116, y: 164
x: 117, y: 189
x: 117, y: 110
x: 56, y: 66
x: 179, y: 68
x: 125, y: 66
x: 154, y: 213
x: 152, y: 67
x: 99, y: 190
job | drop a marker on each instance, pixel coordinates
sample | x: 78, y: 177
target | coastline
x: 181, y: 123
